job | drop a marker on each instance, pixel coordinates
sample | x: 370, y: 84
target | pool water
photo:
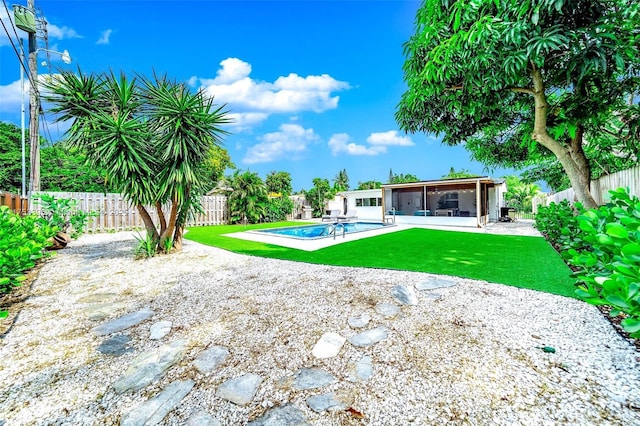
x: 324, y: 230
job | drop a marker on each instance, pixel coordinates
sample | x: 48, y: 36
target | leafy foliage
x: 394, y: 178
x: 153, y: 137
x: 603, y: 245
x: 341, y: 181
x: 370, y: 184
x: 319, y: 195
x: 22, y: 243
x: 609, y: 269
x: 457, y: 174
x: 519, y: 194
x: 248, y: 200
x: 518, y: 81
x: 63, y: 214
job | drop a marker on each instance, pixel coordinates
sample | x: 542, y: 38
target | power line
x: 15, y: 49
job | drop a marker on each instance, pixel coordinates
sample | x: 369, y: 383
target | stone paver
x: 387, y: 310
x: 116, y: 345
x: 287, y: 415
x: 328, y: 346
x: 434, y: 283
x: 369, y: 337
x: 404, y: 295
x: 202, y: 418
x: 312, y: 378
x: 150, y: 366
x: 328, y: 401
x: 154, y: 410
x: 360, y: 321
x: 122, y: 323
x: 159, y: 329
x: 240, y: 390
x: 208, y: 360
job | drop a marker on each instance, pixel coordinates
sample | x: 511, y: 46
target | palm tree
x: 341, y: 181
x: 150, y: 136
x: 248, y: 200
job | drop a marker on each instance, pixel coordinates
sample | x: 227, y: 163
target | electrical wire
x: 22, y: 64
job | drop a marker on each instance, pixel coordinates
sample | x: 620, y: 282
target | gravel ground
x: 471, y: 357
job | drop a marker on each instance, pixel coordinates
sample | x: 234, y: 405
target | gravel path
x: 466, y: 354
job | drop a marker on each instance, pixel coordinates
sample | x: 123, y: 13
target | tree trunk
x: 163, y: 221
x: 572, y: 157
x: 177, y: 238
x: 167, y: 235
x: 148, y: 222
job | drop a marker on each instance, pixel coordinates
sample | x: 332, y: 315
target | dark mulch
x: 14, y: 301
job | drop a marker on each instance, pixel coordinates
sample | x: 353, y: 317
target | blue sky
x: 312, y: 85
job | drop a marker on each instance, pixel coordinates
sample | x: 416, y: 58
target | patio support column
x: 478, y: 204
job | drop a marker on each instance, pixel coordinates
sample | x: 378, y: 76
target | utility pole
x: 34, y: 110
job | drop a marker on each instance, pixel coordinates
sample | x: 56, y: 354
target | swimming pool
x: 325, y: 230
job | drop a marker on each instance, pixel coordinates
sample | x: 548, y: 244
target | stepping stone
x: 98, y: 298
x: 100, y: 311
x: 122, y: 323
x: 159, y: 330
x: 240, y: 390
x: 154, y: 410
x: 359, y: 321
x: 328, y: 346
x: 387, y: 310
x: 202, y: 418
x: 362, y: 370
x: 369, y: 337
x: 150, y: 366
x: 287, y: 415
x: 404, y: 295
x: 433, y: 283
x: 116, y: 345
x: 327, y: 401
x: 208, y: 360
x: 312, y: 378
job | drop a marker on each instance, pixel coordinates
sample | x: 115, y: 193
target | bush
x: 558, y: 223
x: 22, y: 243
x: 63, y: 213
x: 608, y: 270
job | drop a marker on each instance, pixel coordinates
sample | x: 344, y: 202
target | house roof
x: 446, y: 182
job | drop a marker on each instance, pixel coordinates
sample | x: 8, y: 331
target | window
x: 368, y: 202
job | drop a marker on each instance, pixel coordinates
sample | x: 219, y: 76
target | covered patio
x: 456, y: 202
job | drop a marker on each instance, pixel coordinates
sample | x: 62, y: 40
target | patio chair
x: 331, y: 217
x: 350, y: 215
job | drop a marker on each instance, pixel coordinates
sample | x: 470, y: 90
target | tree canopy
x: 520, y: 80
x: 152, y: 136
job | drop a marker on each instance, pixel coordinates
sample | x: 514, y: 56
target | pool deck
x: 517, y: 228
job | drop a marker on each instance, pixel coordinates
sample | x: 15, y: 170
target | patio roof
x: 446, y: 182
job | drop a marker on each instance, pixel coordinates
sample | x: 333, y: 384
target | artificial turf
x: 519, y: 261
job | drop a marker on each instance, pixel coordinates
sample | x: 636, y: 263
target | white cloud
x: 390, y: 138
x: 244, y: 121
x: 339, y: 143
x: 290, y: 142
x: 287, y: 94
x: 104, y: 37
x: 61, y: 33
x: 11, y: 95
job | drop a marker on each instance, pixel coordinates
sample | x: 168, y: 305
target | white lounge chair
x: 332, y: 216
x: 350, y: 215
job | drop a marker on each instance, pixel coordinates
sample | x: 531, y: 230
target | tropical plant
x: 22, y: 243
x: 453, y: 174
x: 370, y: 184
x: 341, y: 181
x: 608, y: 260
x: 63, y: 214
x: 248, y: 200
x: 517, y: 80
x: 318, y: 196
x: 519, y: 195
x: 279, y: 183
x: 394, y: 178
x: 151, y: 136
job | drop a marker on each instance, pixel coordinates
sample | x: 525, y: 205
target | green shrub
x: 608, y: 263
x: 22, y: 243
x: 558, y: 223
x: 63, y: 213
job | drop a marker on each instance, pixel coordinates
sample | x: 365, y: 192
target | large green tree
x: 248, y: 198
x: 152, y: 136
x: 341, y: 181
x: 319, y: 195
x: 63, y: 167
x: 517, y: 79
x: 457, y: 174
x: 279, y: 188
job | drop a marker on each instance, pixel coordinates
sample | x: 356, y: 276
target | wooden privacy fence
x: 15, y: 203
x: 600, y: 187
x: 117, y: 214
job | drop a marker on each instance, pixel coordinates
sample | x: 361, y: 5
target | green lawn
x: 526, y: 262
